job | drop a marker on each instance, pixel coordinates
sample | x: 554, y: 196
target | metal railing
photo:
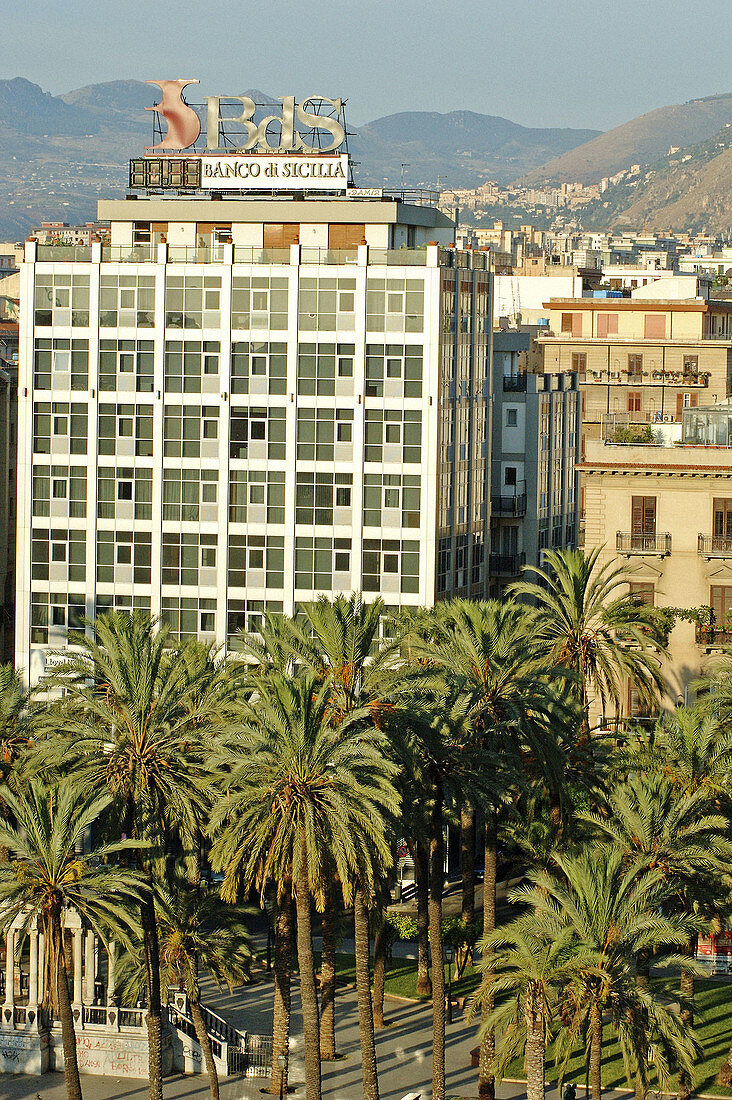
x: 245, y: 254
x: 629, y: 542
x: 715, y: 546
x: 94, y: 1014
x: 514, y: 383
x: 509, y: 505
x: 65, y: 253
x: 129, y: 254
x: 195, y: 254
x: 312, y: 255
x: 398, y: 257
x: 132, y: 1017
x: 506, y: 565
x: 709, y: 634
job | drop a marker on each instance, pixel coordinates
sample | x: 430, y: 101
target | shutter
x: 576, y: 324
x: 279, y: 235
x: 679, y: 405
x: 346, y: 236
x: 654, y: 326
x: 649, y: 516
x: 717, y: 602
x: 602, y: 325
x: 636, y: 521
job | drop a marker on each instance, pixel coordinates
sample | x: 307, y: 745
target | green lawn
x: 713, y: 1025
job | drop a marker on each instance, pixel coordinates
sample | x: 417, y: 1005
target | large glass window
x: 394, y: 304
x: 126, y: 300
x: 392, y: 499
x: 190, y: 430
x: 193, y: 301
x: 256, y: 496
x: 124, y: 557
x: 185, y: 554
x: 397, y: 367
x: 61, y: 364
x: 319, y: 365
x: 258, y: 367
x: 125, y: 429
x: 192, y: 366
x: 247, y: 617
x: 317, y: 560
x: 317, y: 494
x: 393, y: 436
x: 256, y: 561
x: 58, y: 554
x: 257, y: 432
x: 126, y: 365
x: 190, y: 495
x: 258, y: 302
x: 59, y: 490
x: 59, y: 426
x: 319, y: 430
x: 390, y: 559
x: 54, y: 614
x: 61, y: 300
x: 189, y: 617
x: 124, y: 492
x: 327, y: 303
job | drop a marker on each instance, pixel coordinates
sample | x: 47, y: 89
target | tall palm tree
x: 199, y: 933
x: 16, y: 719
x: 528, y: 972
x: 135, y: 722
x: 48, y: 874
x: 591, y: 625
x: 489, y: 658
x: 682, y: 836
x: 611, y: 913
x: 309, y: 797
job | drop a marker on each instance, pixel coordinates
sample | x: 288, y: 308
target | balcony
x: 509, y: 505
x: 715, y: 546
x: 647, y: 378
x: 514, y: 383
x: 506, y: 565
x: 658, y: 545
x: 708, y: 635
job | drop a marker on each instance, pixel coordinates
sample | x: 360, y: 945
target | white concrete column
x: 111, y: 953
x: 89, y: 967
x: 10, y: 967
x: 41, y: 966
x: 33, y: 970
x: 78, y: 993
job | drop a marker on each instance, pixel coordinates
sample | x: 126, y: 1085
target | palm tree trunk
x: 420, y: 858
x: 328, y: 980
x: 596, y: 1052
x: 642, y: 981
x: 687, y: 1015
x: 535, y: 1056
x: 363, y: 992
x: 381, y: 947
x: 486, y: 1079
x: 437, y: 873
x: 204, y: 1041
x: 63, y: 1000
x: 151, y: 947
x: 282, y: 976
x: 308, y: 991
x: 467, y: 861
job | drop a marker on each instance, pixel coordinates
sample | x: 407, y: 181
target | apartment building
x: 8, y: 440
x: 535, y: 448
x: 641, y: 360
x: 665, y: 512
x: 244, y: 402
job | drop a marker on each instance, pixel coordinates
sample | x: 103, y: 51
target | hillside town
x: 366, y: 611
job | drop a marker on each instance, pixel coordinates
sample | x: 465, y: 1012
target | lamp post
x: 449, y: 956
x: 282, y: 1062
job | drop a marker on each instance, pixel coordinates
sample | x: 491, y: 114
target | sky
x: 537, y: 62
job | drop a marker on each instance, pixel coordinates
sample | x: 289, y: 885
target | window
x: 691, y: 366
x: 126, y: 301
x: 55, y: 614
x: 317, y: 559
x: 191, y: 431
x: 193, y: 301
x: 257, y: 487
x: 56, y: 420
x: 643, y: 516
x: 634, y: 402
x: 65, y: 486
x: 282, y: 235
x: 327, y: 303
x: 635, y: 366
x: 654, y: 326
x: 685, y: 401
x: 188, y: 362
x: 509, y: 475
x: 394, y: 305
x: 256, y: 561
x: 390, y: 558
x: 722, y: 517
x: 126, y: 365
x: 62, y: 550
x: 61, y: 364
x: 255, y: 426
x: 400, y: 365
x: 319, y: 365
x: 61, y: 300
x: 247, y: 616
x: 316, y: 495
x: 572, y: 324
x: 511, y: 418
x: 385, y: 427
x: 579, y: 362
x: 184, y: 555
x: 258, y: 302
x: 393, y: 499
x: 124, y: 492
x: 607, y: 324
x: 124, y: 557
x: 258, y: 360
x: 642, y: 592
x: 319, y: 429
x: 190, y: 495
x: 125, y: 429
x: 720, y: 601
x: 189, y: 617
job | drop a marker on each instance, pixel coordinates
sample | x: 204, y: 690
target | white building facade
x: 240, y: 404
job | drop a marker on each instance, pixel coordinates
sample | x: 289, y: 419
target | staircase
x: 234, y: 1051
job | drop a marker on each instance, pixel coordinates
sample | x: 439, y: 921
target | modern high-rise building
x: 244, y: 401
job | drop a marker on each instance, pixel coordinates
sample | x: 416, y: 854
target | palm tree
x: 135, y: 722
x: 309, y: 797
x: 48, y: 873
x: 611, y: 913
x: 16, y: 726
x: 527, y: 973
x: 590, y: 624
x: 487, y: 654
x: 198, y: 933
x: 679, y: 834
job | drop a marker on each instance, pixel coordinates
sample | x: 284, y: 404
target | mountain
x: 688, y: 190
x: 27, y: 109
x: 641, y: 141
x: 462, y: 147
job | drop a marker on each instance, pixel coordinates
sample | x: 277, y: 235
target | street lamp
x: 282, y: 1062
x: 449, y: 956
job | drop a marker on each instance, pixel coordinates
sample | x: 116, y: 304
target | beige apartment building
x: 641, y: 360
x: 665, y: 512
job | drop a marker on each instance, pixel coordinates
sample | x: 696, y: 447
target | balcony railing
x: 715, y: 546
x: 129, y: 253
x: 631, y: 543
x: 506, y: 565
x: 509, y: 505
x: 713, y: 635
x: 646, y: 378
x: 514, y: 383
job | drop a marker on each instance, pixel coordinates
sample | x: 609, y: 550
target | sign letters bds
x: 290, y: 140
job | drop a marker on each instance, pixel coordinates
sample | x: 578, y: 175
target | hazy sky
x: 538, y: 62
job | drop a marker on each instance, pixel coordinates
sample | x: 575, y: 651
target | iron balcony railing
x: 628, y: 542
x: 514, y: 383
x: 708, y: 634
x: 509, y: 505
x: 506, y: 565
x: 715, y: 546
